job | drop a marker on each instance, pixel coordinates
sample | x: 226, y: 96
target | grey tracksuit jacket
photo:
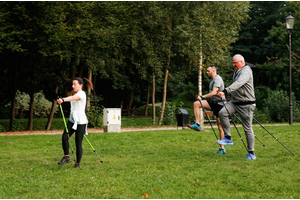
x: 242, y: 89
x: 243, y: 103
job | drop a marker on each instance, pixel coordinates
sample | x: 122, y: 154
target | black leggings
x: 79, y: 133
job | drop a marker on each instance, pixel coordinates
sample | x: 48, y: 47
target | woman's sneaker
x: 195, y: 126
x: 77, y: 165
x: 221, y: 151
x: 65, y: 160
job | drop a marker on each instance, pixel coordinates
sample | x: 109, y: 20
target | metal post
x: 290, y: 72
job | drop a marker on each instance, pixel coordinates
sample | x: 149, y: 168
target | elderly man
x: 215, y: 103
x: 243, y: 103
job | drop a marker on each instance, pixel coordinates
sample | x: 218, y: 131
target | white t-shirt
x: 78, y: 109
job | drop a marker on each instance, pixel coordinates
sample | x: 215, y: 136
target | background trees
x: 126, y: 48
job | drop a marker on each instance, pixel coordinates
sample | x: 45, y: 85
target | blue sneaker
x: 221, y: 151
x: 195, y: 126
x: 225, y: 141
x: 250, y: 156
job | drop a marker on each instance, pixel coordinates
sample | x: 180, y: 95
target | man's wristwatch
x: 202, y: 97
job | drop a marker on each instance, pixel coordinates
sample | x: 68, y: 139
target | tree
x: 210, y: 28
x: 275, y: 68
x: 252, y: 43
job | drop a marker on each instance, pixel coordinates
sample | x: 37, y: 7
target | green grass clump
x: 175, y: 164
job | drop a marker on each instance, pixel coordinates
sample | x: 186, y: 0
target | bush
x: 261, y: 93
x: 261, y: 116
x: 95, y: 113
x: 150, y: 111
x: 185, y: 99
x: 41, y: 107
x: 2, y: 129
x: 4, y: 113
x: 170, y: 113
x: 277, y: 106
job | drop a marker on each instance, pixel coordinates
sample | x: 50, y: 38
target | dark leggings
x: 79, y: 133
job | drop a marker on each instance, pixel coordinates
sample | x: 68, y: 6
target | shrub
x: 277, y: 106
x: 185, y: 99
x: 41, y: 107
x: 2, y: 129
x: 150, y: 111
x: 261, y: 116
x: 170, y: 113
x: 261, y: 93
x: 4, y: 112
x: 95, y: 113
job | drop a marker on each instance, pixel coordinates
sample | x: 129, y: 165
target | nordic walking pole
x: 273, y: 136
x: 93, y: 148
x: 62, y: 113
x: 208, y: 119
x: 234, y: 124
x: 254, y: 135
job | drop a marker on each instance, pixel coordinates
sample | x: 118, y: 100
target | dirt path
x: 92, y: 130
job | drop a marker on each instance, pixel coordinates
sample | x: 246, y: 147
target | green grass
x: 57, y: 123
x: 176, y: 164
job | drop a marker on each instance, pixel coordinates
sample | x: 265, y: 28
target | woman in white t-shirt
x: 78, y: 120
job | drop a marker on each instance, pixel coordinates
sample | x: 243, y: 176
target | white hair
x: 239, y: 57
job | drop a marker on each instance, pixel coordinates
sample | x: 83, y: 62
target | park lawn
x: 176, y: 164
x: 39, y: 124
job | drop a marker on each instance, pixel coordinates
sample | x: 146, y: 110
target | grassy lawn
x: 57, y: 123
x: 164, y: 164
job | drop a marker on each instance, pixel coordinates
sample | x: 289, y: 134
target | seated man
x: 215, y: 103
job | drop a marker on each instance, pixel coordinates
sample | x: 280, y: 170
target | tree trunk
x: 50, y: 118
x: 88, y: 101
x: 80, y: 68
x: 148, y: 98
x: 94, y: 84
x: 200, y: 78
x: 165, y: 83
x: 30, y: 120
x: 153, y: 99
x: 73, y: 68
x: 165, y: 86
x: 130, y: 101
x: 13, y: 99
x: 164, y: 98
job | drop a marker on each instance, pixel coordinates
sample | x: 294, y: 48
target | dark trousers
x: 79, y: 133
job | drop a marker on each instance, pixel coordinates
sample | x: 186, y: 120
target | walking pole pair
x: 273, y: 136
x: 62, y: 113
x: 234, y: 124
x: 254, y: 135
x: 208, y: 119
x: 83, y: 135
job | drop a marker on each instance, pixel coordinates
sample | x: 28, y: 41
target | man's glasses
x: 236, y: 62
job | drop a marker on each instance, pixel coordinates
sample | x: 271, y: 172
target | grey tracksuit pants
x: 246, y: 114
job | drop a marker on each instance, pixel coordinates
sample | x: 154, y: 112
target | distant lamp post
x: 289, y: 20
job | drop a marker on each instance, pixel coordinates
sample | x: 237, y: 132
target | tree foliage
x: 121, y: 43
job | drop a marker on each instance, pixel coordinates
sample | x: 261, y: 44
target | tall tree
x: 252, y: 43
x: 210, y: 28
